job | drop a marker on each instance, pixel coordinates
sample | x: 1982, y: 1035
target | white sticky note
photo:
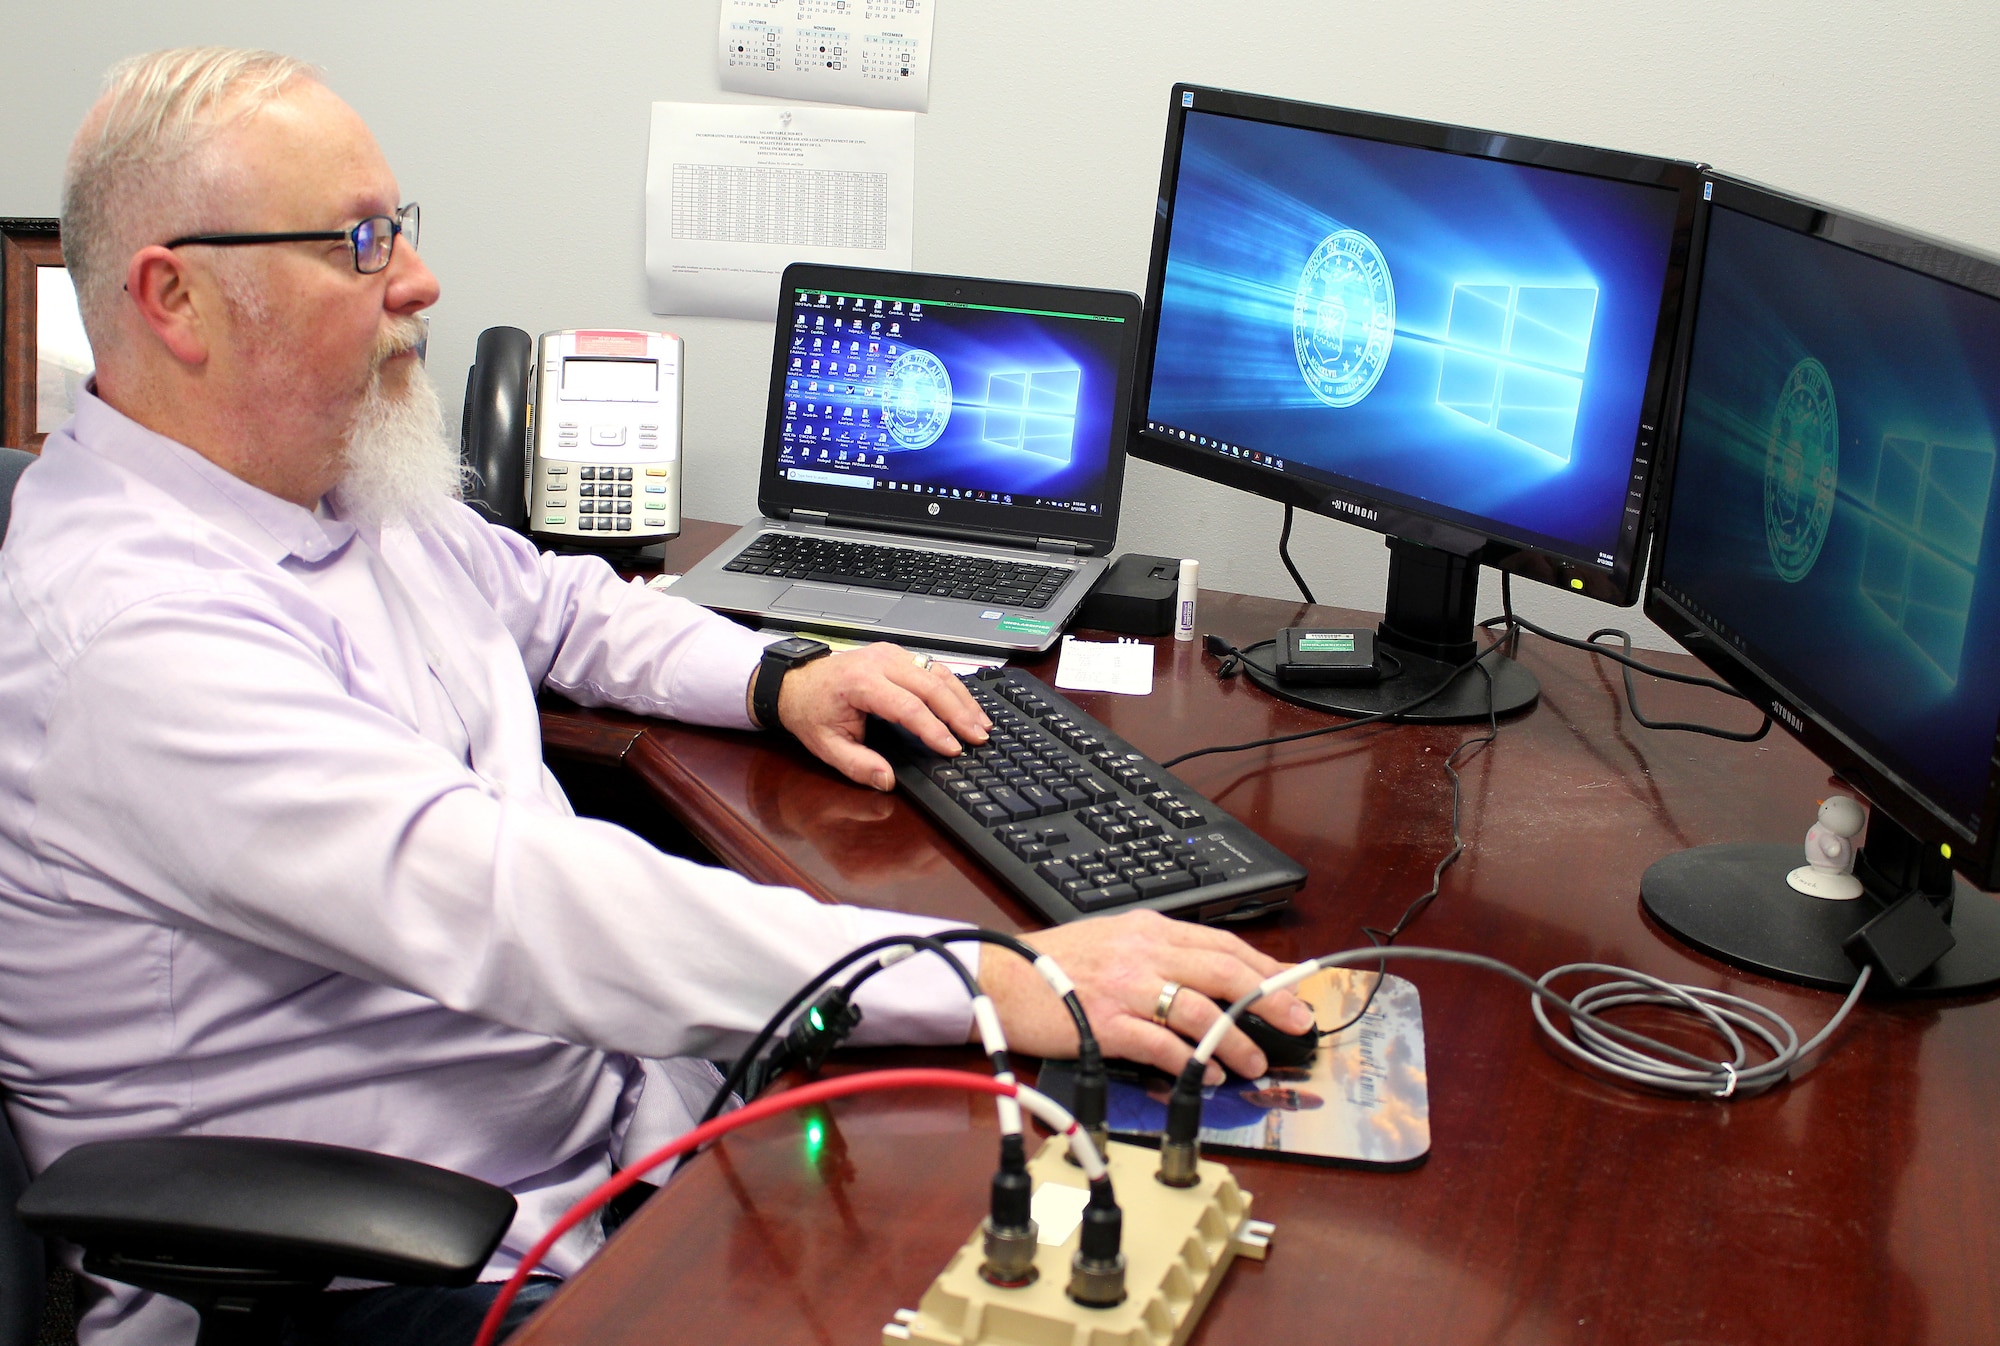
x: 1057, y: 1211
x: 1100, y: 666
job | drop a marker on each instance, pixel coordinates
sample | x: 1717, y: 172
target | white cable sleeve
x: 1058, y: 1119
x: 1008, y: 1106
x: 988, y: 1019
x: 895, y: 954
x: 1053, y: 974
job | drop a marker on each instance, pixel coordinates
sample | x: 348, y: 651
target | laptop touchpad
x: 825, y: 602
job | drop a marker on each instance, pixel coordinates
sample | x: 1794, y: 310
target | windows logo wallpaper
x: 1835, y: 490
x: 1015, y: 406
x: 1458, y: 332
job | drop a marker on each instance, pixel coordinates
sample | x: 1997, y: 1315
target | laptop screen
x: 927, y: 394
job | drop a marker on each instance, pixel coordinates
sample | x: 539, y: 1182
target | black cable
x: 1381, y: 939
x: 734, y: 1079
x: 1515, y: 621
x: 1285, y: 555
x: 1090, y: 1056
x: 1374, y: 717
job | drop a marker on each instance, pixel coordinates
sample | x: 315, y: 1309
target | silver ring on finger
x: 1164, y: 1006
x: 922, y: 661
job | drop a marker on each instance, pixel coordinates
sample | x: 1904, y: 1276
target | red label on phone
x: 610, y: 343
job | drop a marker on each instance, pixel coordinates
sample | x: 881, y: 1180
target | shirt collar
x: 275, y: 527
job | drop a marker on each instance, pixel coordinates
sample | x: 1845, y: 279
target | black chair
x: 21, y: 1264
x: 241, y: 1228
x: 12, y: 463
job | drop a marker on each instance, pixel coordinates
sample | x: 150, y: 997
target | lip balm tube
x: 1184, y: 600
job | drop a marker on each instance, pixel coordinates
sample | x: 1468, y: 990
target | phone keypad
x: 604, y: 499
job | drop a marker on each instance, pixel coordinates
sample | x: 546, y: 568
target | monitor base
x: 1732, y: 901
x: 1514, y: 689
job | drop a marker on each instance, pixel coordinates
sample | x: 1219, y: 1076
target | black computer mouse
x: 1279, y: 1047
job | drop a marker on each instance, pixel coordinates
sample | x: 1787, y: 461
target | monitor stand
x: 1427, y: 624
x: 1732, y: 901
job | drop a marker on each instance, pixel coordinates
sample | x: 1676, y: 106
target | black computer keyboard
x: 1078, y: 822
x: 874, y: 565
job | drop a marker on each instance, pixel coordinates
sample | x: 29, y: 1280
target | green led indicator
x: 816, y: 1019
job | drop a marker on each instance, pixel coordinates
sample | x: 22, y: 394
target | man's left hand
x: 826, y: 705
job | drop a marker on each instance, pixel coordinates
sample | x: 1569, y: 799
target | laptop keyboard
x: 872, y: 565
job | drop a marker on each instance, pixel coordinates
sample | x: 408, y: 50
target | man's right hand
x: 826, y: 705
x: 1120, y: 965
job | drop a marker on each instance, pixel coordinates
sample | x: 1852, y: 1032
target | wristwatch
x: 780, y: 658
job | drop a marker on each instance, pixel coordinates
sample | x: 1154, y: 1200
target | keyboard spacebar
x: 861, y: 581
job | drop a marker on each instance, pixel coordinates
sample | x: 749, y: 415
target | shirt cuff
x: 712, y: 679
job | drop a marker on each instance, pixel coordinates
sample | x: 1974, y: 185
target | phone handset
x: 499, y: 418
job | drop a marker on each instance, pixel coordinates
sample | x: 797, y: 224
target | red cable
x: 870, y: 1082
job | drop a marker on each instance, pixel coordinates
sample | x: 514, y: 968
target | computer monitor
x: 1457, y: 338
x: 1827, y: 544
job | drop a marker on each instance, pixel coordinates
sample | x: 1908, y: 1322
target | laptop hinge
x: 817, y: 516
x: 1056, y: 544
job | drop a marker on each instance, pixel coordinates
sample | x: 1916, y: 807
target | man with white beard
x: 278, y: 853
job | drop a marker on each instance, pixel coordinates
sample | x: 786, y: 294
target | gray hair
x: 138, y: 161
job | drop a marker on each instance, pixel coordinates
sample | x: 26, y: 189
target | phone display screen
x: 601, y: 380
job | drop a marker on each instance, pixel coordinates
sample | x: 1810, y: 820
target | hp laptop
x: 943, y: 459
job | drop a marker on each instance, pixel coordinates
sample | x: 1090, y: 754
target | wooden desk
x: 1859, y: 1205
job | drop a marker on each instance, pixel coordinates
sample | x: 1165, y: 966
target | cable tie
x: 1730, y: 1088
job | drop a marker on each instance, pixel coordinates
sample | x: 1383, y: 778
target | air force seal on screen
x: 1801, y: 470
x: 1343, y: 318
x: 916, y: 403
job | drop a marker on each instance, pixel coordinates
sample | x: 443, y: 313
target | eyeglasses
x: 372, y: 242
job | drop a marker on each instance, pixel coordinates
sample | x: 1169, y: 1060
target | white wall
x: 522, y: 129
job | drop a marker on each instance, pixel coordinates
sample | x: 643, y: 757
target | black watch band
x: 780, y: 658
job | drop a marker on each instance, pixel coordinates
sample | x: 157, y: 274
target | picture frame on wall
x: 44, y: 356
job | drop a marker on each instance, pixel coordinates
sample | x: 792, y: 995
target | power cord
x: 1285, y: 555
x: 1515, y: 621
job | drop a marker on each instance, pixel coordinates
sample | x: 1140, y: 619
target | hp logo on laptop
x: 934, y: 507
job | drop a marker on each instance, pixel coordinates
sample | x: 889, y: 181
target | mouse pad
x: 1363, y: 1100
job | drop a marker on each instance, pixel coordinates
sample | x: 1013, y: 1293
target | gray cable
x: 1630, y: 1056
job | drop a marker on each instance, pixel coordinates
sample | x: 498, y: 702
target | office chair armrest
x: 249, y: 1206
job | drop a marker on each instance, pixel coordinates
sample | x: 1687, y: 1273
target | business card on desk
x: 1125, y: 667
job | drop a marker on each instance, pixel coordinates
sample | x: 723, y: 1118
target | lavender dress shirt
x: 279, y: 855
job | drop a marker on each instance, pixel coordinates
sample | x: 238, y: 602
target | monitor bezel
x: 1975, y: 853
x: 1486, y: 540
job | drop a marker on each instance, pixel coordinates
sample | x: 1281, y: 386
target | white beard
x: 400, y: 467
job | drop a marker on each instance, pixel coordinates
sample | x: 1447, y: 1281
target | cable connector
x: 1010, y: 1232
x: 1097, y: 1272
x: 1090, y: 1100
x: 826, y: 1024
x: 1180, y: 1146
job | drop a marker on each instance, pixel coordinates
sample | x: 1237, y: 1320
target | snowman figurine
x: 1830, y: 850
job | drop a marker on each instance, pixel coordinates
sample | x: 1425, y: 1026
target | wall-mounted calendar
x: 866, y: 53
